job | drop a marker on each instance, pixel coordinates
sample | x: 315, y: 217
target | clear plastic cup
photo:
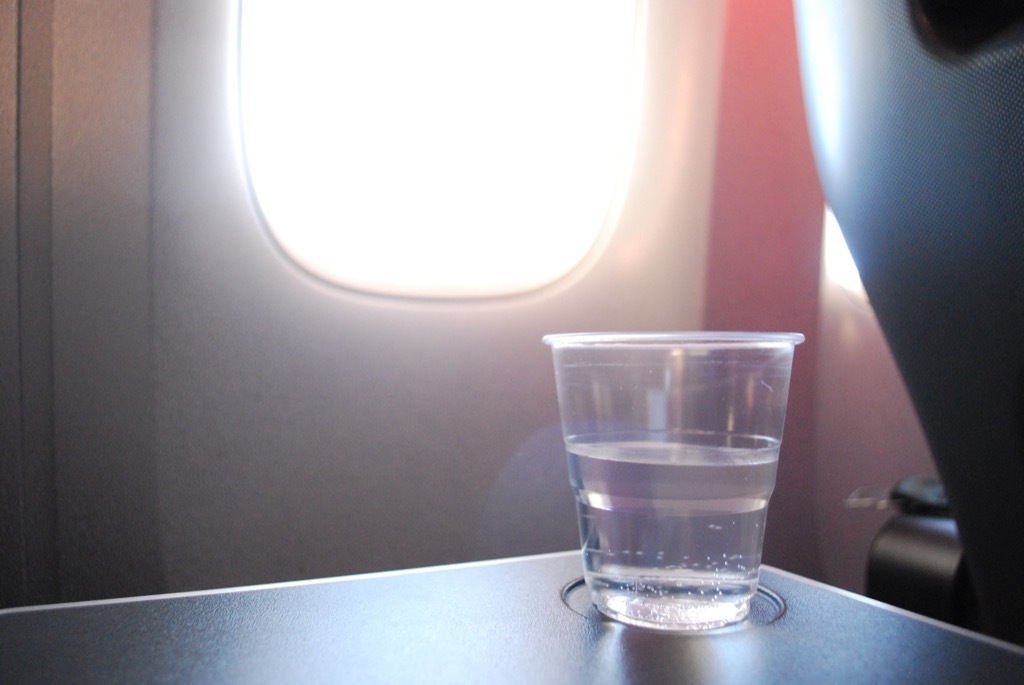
x: 673, y: 442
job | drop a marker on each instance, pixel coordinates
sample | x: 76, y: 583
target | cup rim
x: 690, y: 339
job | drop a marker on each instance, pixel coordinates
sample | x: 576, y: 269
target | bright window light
x: 451, y: 148
x: 839, y: 265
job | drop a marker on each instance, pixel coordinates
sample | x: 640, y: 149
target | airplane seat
x: 916, y: 111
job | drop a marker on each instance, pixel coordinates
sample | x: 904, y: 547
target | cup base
x: 673, y: 613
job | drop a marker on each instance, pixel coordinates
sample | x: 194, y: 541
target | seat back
x: 916, y: 110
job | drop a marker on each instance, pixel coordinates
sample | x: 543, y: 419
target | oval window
x: 452, y: 148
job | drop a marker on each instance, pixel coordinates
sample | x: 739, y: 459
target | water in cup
x: 672, y: 528
x: 673, y: 441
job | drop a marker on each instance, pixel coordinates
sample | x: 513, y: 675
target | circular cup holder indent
x: 766, y: 606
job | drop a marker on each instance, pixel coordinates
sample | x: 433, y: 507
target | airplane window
x: 839, y: 265
x: 451, y: 148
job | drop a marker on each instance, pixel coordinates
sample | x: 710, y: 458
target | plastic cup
x: 673, y: 443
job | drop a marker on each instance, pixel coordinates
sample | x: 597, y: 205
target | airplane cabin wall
x: 219, y: 417
x: 10, y: 373
x: 765, y: 245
